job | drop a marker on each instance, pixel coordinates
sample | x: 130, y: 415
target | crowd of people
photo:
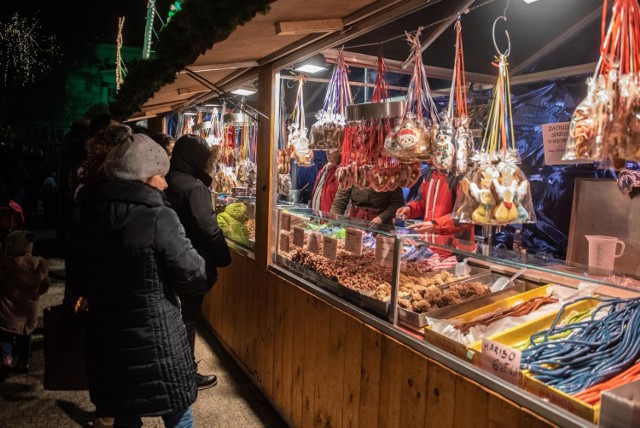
x: 142, y: 247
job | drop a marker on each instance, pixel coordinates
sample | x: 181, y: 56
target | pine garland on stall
x: 194, y: 30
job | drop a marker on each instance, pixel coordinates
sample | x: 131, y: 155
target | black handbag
x: 64, y: 355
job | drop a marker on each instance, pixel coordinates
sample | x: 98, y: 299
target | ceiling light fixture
x: 244, y: 91
x: 310, y: 68
x: 529, y: 1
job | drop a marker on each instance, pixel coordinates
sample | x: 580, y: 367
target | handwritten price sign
x: 501, y: 360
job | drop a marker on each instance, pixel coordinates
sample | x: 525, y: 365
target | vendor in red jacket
x: 435, y: 204
x: 326, y: 185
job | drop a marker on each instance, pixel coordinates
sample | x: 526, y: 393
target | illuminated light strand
x: 25, y: 54
x: 148, y: 32
x: 119, y: 69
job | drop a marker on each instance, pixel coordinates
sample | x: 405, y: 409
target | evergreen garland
x: 194, y: 30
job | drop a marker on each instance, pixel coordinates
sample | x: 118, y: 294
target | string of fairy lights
x: 119, y: 65
x: 25, y: 53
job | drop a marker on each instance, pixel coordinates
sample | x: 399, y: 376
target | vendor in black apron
x: 367, y: 204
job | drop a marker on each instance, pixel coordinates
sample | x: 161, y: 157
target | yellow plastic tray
x: 518, y: 334
x: 467, y: 351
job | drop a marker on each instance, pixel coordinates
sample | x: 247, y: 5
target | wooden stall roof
x: 565, y: 42
x: 299, y: 24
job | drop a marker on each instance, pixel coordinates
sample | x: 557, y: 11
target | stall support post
x: 489, y: 239
x: 395, y: 280
x: 265, y: 163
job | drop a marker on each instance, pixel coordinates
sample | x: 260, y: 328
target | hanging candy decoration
x: 414, y: 137
x: 297, y: 136
x: 381, y: 90
x: 463, y: 138
x: 606, y: 124
x: 327, y: 133
x: 496, y: 191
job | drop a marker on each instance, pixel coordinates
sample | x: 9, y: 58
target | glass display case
x: 463, y: 296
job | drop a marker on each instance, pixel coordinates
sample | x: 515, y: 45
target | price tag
x: 384, y: 250
x: 298, y: 236
x: 353, y: 241
x: 285, y: 242
x: 329, y: 247
x: 313, y: 242
x: 285, y: 221
x: 501, y: 360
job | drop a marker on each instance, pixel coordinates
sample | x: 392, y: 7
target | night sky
x: 96, y: 20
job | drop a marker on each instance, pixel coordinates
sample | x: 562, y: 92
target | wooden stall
x: 320, y: 366
x: 319, y: 360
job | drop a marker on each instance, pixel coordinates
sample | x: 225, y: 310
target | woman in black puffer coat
x: 190, y: 197
x: 130, y: 257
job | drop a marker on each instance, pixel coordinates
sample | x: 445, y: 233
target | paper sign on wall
x: 298, y: 236
x: 501, y: 360
x: 285, y: 242
x: 384, y: 250
x: 554, y: 139
x: 285, y: 221
x: 353, y: 241
x: 313, y: 242
x: 329, y: 247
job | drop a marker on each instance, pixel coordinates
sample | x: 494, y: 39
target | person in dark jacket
x: 367, y: 204
x: 131, y: 259
x: 190, y: 197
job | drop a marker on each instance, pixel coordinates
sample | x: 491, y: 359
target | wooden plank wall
x: 321, y: 367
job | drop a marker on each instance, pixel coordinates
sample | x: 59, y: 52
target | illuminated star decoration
x: 25, y: 53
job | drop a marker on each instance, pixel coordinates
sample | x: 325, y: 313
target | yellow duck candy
x: 482, y: 214
x: 506, y: 210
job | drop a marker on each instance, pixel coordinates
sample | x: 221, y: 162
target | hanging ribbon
x: 381, y: 90
x: 419, y: 94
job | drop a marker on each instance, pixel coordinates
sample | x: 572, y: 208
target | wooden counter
x: 320, y: 366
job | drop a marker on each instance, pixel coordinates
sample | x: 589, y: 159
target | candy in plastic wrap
x: 444, y: 151
x: 464, y: 148
x: 284, y: 185
x: 298, y: 140
x: 328, y: 132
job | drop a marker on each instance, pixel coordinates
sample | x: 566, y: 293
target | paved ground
x: 234, y: 402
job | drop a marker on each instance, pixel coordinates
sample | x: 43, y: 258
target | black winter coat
x: 129, y: 254
x: 191, y: 199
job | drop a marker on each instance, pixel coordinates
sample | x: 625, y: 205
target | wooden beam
x: 375, y: 19
x: 439, y: 30
x: 558, y: 73
x: 292, y: 28
x: 394, y: 66
x: 553, y: 45
x: 202, y: 68
x: 266, y: 161
x: 359, y: 84
x: 191, y: 90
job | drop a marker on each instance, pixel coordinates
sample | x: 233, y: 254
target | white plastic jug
x: 602, y: 253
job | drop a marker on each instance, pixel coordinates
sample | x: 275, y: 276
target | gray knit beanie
x: 137, y: 159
